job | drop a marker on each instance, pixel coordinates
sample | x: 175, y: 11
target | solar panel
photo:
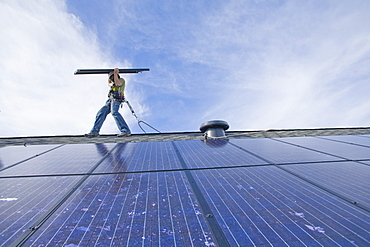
x: 279, y: 152
x: 357, y: 140
x: 339, y: 149
x: 349, y: 180
x: 145, y: 156
x: 13, y: 154
x: 24, y: 200
x: 217, y: 153
x: 73, y: 158
x: 267, y: 206
x: 156, y: 209
x: 237, y: 192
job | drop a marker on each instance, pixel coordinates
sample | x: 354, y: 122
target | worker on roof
x: 115, y: 99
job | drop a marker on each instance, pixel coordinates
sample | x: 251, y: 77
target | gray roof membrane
x: 180, y: 136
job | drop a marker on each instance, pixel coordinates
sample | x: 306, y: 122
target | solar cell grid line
x: 280, y: 152
x: 215, y: 228
x: 327, y: 189
x: 195, y: 219
x: 11, y: 156
x: 263, y: 238
x: 349, y: 179
x: 46, y: 215
x: 271, y: 208
x: 198, y: 154
x: 134, y: 194
x: 167, y: 229
x: 167, y: 233
x: 121, y: 213
x: 118, y: 160
x: 158, y: 208
x: 61, y: 226
x: 272, y: 177
x: 74, y: 210
x: 111, y: 222
x: 207, y: 239
x: 363, y: 206
x: 294, y: 210
x: 146, y: 210
x: 342, y: 150
x: 109, y: 215
x: 325, y: 215
x: 231, y: 236
x: 137, y: 157
x: 134, y: 209
x: 30, y: 197
x: 170, y: 210
x: 187, y: 231
x: 91, y: 207
x: 87, y: 238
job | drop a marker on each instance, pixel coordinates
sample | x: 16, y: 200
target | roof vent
x: 214, y: 128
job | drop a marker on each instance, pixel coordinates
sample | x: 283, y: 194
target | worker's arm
x: 117, y: 81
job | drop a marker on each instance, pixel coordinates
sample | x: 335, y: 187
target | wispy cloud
x: 286, y: 66
x: 41, y: 46
x: 256, y: 64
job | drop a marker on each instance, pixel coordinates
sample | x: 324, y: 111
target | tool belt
x: 116, y: 95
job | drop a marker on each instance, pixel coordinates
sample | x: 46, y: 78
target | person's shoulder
x: 122, y: 80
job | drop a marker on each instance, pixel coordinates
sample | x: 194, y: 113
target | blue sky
x: 256, y: 64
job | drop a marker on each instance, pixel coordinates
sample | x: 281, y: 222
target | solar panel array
x: 297, y: 191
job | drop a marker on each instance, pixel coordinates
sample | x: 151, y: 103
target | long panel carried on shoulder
x: 106, y: 71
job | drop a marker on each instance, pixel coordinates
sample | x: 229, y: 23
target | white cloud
x: 42, y: 45
x: 256, y: 64
x: 290, y: 66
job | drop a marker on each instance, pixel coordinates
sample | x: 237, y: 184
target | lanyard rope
x: 138, y: 120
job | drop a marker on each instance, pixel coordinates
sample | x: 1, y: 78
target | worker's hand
x: 116, y: 70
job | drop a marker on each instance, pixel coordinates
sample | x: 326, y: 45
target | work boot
x: 124, y: 133
x: 91, y: 135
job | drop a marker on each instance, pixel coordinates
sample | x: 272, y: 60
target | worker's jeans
x: 111, y: 106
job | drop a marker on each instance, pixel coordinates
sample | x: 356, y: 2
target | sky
x: 257, y: 64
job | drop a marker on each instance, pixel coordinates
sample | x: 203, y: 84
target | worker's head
x: 111, y: 75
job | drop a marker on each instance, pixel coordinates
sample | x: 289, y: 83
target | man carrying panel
x: 115, y: 98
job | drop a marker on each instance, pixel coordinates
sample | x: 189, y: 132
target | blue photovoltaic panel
x: 348, y: 179
x: 146, y: 209
x: 24, y: 200
x: 344, y: 150
x: 278, y: 152
x: 368, y: 163
x: 303, y: 200
x: 217, y: 153
x: 14, y: 154
x: 73, y: 158
x: 359, y: 140
x: 145, y: 156
x: 268, y: 206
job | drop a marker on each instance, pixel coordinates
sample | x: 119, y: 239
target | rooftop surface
x: 180, y: 136
x: 304, y: 187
